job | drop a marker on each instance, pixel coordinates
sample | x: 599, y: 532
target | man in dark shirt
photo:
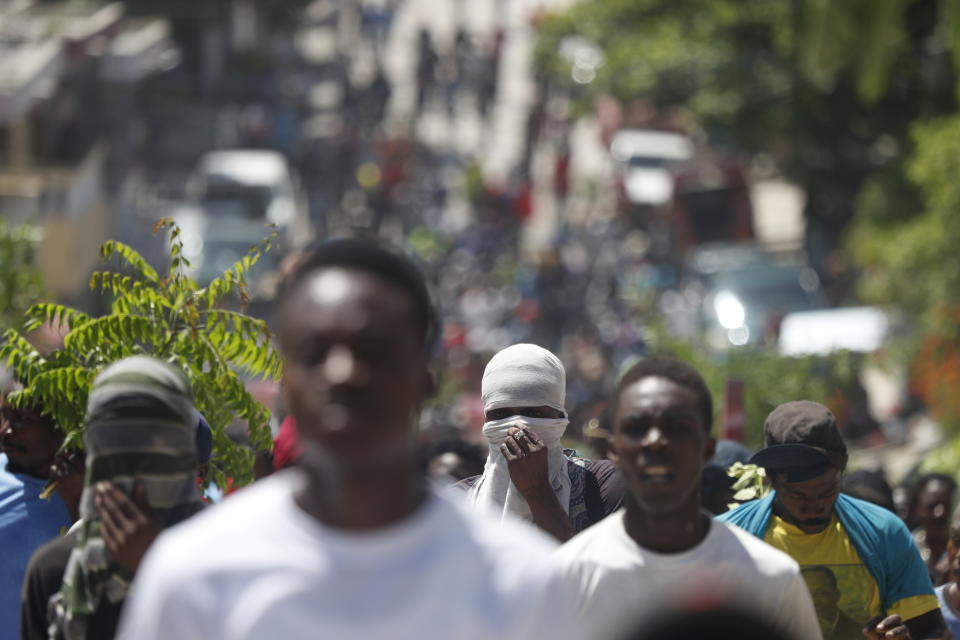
x: 528, y: 474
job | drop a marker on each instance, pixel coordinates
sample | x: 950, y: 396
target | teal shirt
x: 882, y: 540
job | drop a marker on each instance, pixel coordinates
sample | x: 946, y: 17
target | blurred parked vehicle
x: 711, y: 204
x: 820, y: 332
x: 646, y: 160
x: 739, y: 294
x: 238, y: 187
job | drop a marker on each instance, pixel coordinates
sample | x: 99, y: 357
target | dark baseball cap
x: 802, y: 440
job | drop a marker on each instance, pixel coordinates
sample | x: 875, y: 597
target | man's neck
x: 672, y: 532
x: 361, y: 500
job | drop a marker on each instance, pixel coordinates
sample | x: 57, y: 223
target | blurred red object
x: 286, y: 446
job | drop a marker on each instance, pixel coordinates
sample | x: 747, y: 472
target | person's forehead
x: 936, y: 488
x: 655, y: 393
x: 353, y: 298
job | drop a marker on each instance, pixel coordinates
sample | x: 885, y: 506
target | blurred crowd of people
x: 364, y: 534
x: 422, y: 484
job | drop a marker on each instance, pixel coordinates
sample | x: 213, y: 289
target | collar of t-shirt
x: 679, y: 559
x: 368, y: 547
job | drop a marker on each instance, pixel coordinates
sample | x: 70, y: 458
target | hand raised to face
x: 526, y: 456
x: 126, y: 526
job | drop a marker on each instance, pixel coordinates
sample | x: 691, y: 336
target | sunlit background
x: 766, y: 187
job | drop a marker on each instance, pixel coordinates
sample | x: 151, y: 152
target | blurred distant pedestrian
x: 948, y: 594
x: 662, y: 553
x: 870, y: 486
x: 376, y: 19
x: 376, y: 99
x: 350, y: 544
x: 451, y: 460
x: 489, y: 74
x: 463, y: 57
x: 427, y: 60
x: 716, y: 487
x: 931, y: 508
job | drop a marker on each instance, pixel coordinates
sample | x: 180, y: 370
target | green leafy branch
x: 203, y: 330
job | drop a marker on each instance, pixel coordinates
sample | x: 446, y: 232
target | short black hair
x: 678, y: 371
x: 472, y: 455
x: 824, y: 570
x: 375, y: 258
x: 930, y: 478
x: 870, y: 486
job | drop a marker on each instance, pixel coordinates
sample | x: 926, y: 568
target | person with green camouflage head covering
x: 140, y: 438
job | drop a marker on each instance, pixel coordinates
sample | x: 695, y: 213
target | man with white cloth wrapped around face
x: 528, y: 475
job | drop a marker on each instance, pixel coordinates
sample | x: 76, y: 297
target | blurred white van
x: 249, y: 185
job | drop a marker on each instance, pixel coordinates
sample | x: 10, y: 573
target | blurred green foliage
x: 21, y: 283
x: 166, y: 315
x: 912, y: 260
x: 828, y: 90
x: 769, y: 379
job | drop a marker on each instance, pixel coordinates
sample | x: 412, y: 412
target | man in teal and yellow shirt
x: 882, y: 582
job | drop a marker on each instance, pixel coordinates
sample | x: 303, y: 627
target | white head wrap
x: 523, y: 375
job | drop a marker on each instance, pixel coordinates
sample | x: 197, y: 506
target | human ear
x: 709, y: 448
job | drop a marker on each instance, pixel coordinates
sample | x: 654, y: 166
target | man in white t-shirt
x: 351, y: 545
x: 663, y: 553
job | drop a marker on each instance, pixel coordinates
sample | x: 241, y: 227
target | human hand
x: 126, y: 528
x: 526, y: 456
x: 889, y: 628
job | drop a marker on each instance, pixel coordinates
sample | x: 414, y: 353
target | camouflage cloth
x: 140, y: 427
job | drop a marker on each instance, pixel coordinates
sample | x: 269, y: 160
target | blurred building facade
x: 68, y: 75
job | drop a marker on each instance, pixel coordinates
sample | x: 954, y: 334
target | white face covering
x: 495, y: 492
x: 523, y: 375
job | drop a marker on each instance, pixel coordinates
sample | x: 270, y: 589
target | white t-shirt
x: 257, y: 566
x: 622, y: 584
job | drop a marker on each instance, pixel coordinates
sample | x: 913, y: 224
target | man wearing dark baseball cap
x: 882, y: 580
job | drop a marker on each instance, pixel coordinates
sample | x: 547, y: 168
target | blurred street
x: 597, y: 228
